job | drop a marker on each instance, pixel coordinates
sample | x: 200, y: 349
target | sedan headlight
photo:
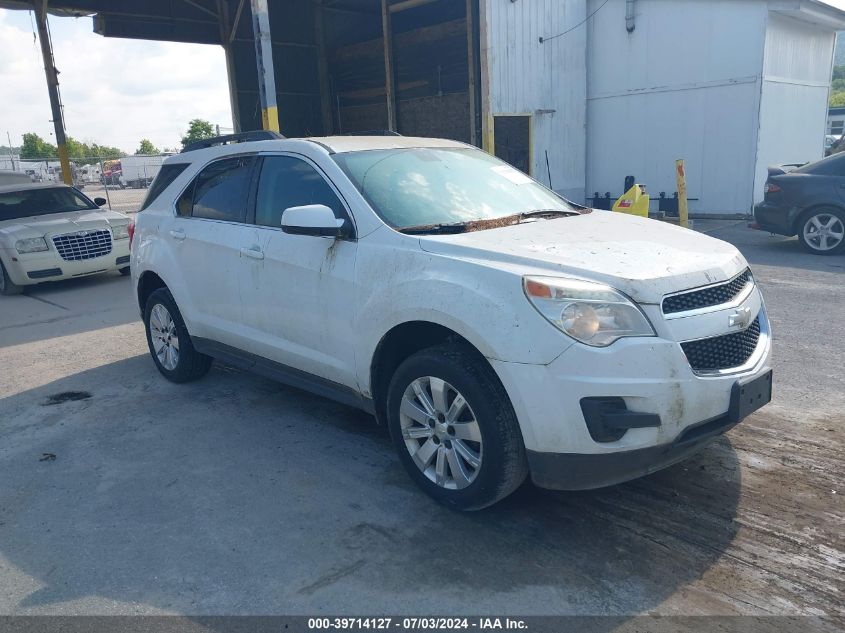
x: 31, y: 245
x: 592, y: 313
x: 120, y: 232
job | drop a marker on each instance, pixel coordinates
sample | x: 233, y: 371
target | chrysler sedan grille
x: 75, y: 247
x: 723, y: 352
x: 707, y: 297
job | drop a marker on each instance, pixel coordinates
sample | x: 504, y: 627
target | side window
x: 291, y: 182
x: 186, y: 200
x: 220, y: 190
x: 166, y: 175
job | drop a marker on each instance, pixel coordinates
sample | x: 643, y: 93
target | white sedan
x: 49, y: 231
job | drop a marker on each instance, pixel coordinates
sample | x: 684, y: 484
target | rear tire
x: 169, y: 342
x: 7, y: 286
x: 821, y: 231
x: 468, y: 453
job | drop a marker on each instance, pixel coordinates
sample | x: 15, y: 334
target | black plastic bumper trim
x: 576, y: 471
x: 47, y: 272
x: 123, y: 259
x: 608, y: 419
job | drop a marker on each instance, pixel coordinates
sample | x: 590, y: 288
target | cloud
x: 115, y: 91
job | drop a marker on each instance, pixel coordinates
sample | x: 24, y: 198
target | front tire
x: 7, y: 286
x: 169, y: 342
x: 821, y: 231
x: 124, y: 271
x: 454, y: 428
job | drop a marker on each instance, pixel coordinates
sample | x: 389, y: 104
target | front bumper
x: 32, y: 268
x: 651, y: 376
x: 561, y: 471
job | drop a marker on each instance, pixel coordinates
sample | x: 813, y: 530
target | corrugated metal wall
x: 796, y: 80
x: 547, y: 80
x: 684, y: 84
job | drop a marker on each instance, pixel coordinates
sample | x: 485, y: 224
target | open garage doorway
x: 434, y: 67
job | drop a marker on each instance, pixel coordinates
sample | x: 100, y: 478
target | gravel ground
x: 236, y: 495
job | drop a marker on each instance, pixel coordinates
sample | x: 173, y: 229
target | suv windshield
x: 424, y: 187
x: 31, y: 202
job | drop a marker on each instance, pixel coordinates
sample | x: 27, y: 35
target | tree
x: 198, y: 130
x: 146, y: 147
x: 36, y: 147
x: 837, y: 99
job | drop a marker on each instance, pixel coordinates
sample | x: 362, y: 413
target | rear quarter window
x: 166, y: 175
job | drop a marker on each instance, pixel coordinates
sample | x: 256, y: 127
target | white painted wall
x: 527, y: 76
x: 796, y: 81
x: 684, y: 84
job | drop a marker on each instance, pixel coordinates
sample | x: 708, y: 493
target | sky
x: 115, y: 91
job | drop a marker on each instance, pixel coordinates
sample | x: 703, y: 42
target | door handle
x: 253, y: 251
x: 178, y: 234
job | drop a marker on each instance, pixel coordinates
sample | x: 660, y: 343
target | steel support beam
x: 264, y: 63
x: 408, y: 4
x: 226, y: 30
x: 389, y: 80
x: 472, y: 74
x: 53, y: 87
x: 323, y: 70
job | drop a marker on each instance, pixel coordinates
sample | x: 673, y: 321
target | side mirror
x: 313, y: 219
x: 100, y: 201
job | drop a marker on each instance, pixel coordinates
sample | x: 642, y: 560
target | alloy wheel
x: 164, y: 337
x: 441, y: 433
x: 824, y: 232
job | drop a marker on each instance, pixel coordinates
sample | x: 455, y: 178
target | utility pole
x: 40, y: 7
x: 264, y: 62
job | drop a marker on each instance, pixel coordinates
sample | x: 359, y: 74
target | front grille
x: 723, y: 352
x: 707, y: 297
x: 74, y: 247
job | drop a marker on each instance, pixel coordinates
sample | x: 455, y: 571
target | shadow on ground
x: 235, y: 495
x: 61, y: 308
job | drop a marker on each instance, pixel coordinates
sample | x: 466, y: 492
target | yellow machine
x: 635, y: 201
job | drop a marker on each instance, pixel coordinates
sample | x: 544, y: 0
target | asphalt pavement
x: 121, y: 493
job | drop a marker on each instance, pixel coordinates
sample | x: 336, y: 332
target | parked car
x: 495, y: 328
x: 49, y: 231
x: 808, y: 202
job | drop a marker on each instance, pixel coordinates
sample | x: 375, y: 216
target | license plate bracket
x: 748, y: 396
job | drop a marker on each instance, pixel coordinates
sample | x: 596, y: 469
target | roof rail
x: 372, y: 133
x: 241, y: 137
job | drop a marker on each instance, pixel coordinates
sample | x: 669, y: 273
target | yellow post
x: 683, y: 210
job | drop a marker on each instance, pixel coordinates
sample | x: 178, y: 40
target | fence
x: 123, y: 182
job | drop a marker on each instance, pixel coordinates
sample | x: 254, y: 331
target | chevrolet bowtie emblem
x: 741, y: 318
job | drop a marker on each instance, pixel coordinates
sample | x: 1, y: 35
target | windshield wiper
x: 547, y: 213
x: 435, y: 229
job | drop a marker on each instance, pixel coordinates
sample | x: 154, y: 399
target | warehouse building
x: 580, y: 93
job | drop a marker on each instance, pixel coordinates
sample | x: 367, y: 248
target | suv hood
x: 645, y: 259
x: 58, y: 223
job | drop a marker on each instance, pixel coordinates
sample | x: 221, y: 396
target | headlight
x: 31, y: 245
x: 120, y: 232
x: 592, y: 313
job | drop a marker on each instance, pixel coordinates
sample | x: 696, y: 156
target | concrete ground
x: 236, y: 495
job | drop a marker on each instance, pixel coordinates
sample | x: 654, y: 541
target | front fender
x: 484, y: 305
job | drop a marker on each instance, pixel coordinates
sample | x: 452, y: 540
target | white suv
x: 497, y: 329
